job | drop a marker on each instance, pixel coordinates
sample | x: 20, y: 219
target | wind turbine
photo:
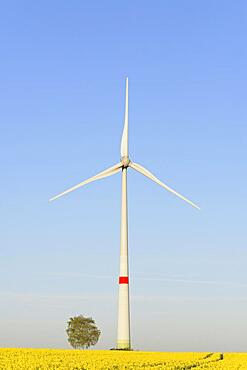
x: 123, y: 333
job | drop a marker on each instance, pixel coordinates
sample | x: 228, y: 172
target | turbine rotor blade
x: 125, y: 139
x: 148, y: 174
x: 108, y: 172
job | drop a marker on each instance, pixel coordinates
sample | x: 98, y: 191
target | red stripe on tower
x: 123, y: 280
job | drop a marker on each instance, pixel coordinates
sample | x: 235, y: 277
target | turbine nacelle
x: 125, y: 161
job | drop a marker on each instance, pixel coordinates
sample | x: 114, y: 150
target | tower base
x: 123, y: 344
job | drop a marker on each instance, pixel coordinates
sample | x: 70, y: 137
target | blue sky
x: 63, y: 69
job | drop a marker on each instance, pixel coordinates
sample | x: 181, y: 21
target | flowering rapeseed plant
x: 47, y: 359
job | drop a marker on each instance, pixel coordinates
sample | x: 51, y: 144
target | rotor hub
x: 125, y: 162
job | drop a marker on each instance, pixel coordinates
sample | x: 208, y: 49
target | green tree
x: 82, y: 332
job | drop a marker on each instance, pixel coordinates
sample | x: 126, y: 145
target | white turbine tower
x: 123, y: 333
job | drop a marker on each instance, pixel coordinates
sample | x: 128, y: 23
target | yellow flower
x: 48, y: 359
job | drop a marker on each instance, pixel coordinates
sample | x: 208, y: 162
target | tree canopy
x: 82, y: 332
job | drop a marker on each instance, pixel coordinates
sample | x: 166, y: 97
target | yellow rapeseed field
x: 44, y: 359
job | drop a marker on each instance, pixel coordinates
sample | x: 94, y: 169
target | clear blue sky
x: 63, y: 66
